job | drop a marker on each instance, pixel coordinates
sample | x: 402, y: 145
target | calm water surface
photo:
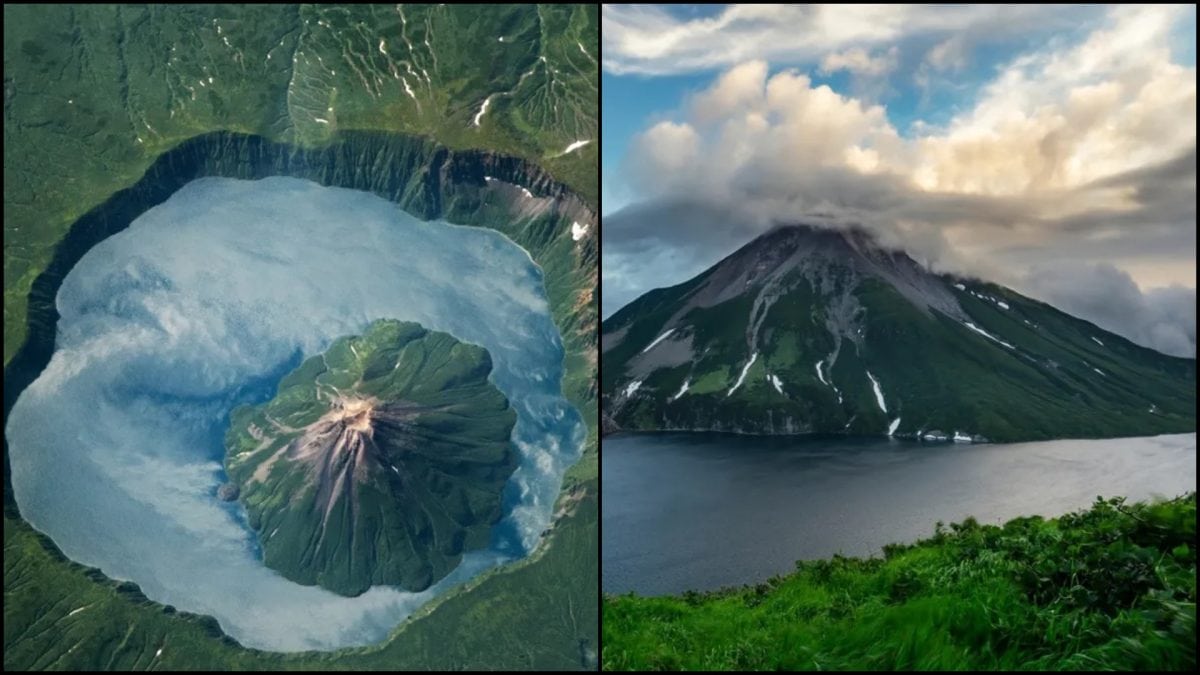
x: 702, y: 511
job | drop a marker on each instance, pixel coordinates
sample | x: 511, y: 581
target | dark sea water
x: 703, y: 511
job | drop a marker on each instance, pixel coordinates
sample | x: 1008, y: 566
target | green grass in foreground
x: 1109, y: 588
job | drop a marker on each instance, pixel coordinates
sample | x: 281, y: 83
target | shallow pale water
x: 704, y: 511
x: 202, y: 304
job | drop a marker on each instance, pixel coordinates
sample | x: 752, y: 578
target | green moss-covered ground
x: 1112, y: 587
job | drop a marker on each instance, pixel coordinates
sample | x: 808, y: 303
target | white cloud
x: 737, y: 88
x: 651, y: 40
x: 860, y: 62
x: 950, y: 54
x: 1050, y: 121
x: 1062, y: 118
x: 1077, y: 151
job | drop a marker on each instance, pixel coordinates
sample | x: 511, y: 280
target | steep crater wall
x: 419, y: 175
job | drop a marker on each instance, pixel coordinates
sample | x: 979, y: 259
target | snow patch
x: 1003, y: 305
x: 78, y: 610
x: 682, y: 390
x: 578, y: 231
x: 960, y: 287
x: 1098, y: 370
x: 878, y: 392
x: 961, y: 438
x: 321, y: 120
x: 632, y: 387
x: 775, y: 381
x: 657, y: 340
x: 482, y: 110
x: 575, y: 146
x: 1097, y: 341
x: 820, y: 374
x: 742, y: 377
x: 413, y: 96
x: 893, y: 426
x: 986, y: 334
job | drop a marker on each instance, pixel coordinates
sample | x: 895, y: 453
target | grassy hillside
x: 1109, y: 588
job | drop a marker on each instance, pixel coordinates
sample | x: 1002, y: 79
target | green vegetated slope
x: 84, y: 174
x: 803, y: 319
x: 1110, y: 588
x: 379, y: 462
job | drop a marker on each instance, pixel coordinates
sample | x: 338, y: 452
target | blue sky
x: 632, y: 102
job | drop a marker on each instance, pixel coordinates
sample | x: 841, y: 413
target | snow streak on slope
x: 743, y: 375
x: 574, y: 146
x: 986, y: 334
x: 682, y: 390
x: 657, y: 340
x: 482, y: 109
x: 893, y: 426
x: 878, y: 392
x: 774, y: 380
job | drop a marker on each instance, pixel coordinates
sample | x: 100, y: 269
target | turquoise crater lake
x: 203, y: 304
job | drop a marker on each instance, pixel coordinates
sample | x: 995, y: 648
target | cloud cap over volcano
x: 1079, y: 149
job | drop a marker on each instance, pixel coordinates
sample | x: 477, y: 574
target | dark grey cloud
x: 667, y: 241
x: 1162, y: 318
